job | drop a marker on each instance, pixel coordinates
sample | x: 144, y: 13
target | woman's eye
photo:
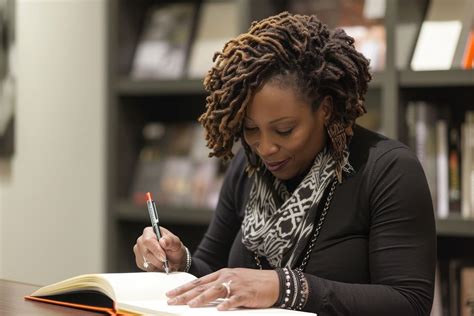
x: 285, y: 132
x: 250, y: 129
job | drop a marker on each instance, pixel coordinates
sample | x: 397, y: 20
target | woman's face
x: 284, y: 131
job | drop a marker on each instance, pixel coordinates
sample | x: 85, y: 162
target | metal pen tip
x: 167, y: 269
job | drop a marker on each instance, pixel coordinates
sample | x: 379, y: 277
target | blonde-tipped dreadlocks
x: 323, y: 63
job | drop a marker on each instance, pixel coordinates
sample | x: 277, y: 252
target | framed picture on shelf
x: 7, y: 77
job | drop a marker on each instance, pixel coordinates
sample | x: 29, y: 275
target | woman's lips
x: 275, y: 166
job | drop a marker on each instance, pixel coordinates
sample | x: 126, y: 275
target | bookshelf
x: 132, y: 103
x: 437, y: 78
x: 128, y: 87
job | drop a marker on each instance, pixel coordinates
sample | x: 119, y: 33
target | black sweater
x: 376, y: 252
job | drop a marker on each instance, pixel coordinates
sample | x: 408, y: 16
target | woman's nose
x: 266, y: 147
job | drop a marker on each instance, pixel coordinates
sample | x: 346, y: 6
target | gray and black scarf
x: 278, y: 225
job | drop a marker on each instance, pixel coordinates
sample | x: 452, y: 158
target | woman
x: 316, y: 213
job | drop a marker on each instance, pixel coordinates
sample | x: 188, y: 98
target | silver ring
x: 145, y: 263
x: 227, y: 287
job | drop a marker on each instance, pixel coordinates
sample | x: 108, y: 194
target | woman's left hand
x: 247, y: 288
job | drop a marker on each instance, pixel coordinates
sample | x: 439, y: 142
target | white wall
x: 52, y: 207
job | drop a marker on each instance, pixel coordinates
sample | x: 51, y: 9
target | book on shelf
x: 174, y: 166
x: 443, y: 286
x: 218, y: 23
x: 467, y: 291
x: 442, y: 169
x: 421, y: 119
x: 442, y: 34
x: 467, y: 166
x: 445, y: 148
x: 453, y: 284
x: 454, y: 171
x: 162, y: 50
x: 468, y: 60
x: 132, y: 293
x: 460, y: 280
x: 460, y: 59
x: 437, y: 308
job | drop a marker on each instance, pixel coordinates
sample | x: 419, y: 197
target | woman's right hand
x: 152, y: 251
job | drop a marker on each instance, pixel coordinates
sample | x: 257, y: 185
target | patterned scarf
x: 277, y: 222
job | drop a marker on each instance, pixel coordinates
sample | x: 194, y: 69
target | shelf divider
x: 455, y: 227
x: 130, y: 87
x: 436, y: 78
x: 169, y: 214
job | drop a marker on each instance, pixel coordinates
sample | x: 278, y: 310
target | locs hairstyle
x: 323, y: 63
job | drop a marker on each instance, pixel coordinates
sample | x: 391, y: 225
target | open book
x: 132, y: 293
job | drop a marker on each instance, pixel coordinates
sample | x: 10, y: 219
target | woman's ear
x: 326, y: 107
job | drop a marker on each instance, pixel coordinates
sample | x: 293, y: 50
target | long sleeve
x: 213, y: 251
x: 401, y: 246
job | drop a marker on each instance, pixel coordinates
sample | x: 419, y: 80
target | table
x: 13, y: 303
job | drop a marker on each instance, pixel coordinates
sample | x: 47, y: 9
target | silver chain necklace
x: 315, y: 234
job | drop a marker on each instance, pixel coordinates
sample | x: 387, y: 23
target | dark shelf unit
x: 133, y: 103
x: 438, y: 78
x: 129, y: 87
x: 455, y: 227
x: 128, y: 211
x: 169, y: 214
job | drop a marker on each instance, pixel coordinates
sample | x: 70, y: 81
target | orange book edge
x: 469, y: 52
x: 109, y: 311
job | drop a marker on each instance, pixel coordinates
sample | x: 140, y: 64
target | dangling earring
x: 337, y: 137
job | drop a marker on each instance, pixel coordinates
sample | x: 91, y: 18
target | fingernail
x: 172, y: 301
x: 164, y: 241
x: 192, y: 303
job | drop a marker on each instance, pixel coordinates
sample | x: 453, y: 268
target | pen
x: 155, y: 223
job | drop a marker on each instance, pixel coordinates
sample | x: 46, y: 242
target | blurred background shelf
x: 378, y: 79
x: 136, y: 103
x: 130, y: 87
x: 455, y: 226
x: 437, y: 78
x: 169, y: 214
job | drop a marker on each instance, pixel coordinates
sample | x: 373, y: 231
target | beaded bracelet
x: 281, y: 282
x: 293, y: 289
x: 303, y: 290
x: 188, y: 260
x: 287, y: 289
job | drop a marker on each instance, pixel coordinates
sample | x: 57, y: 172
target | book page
x: 93, y: 282
x: 153, y: 307
x: 121, y: 286
x: 145, y: 286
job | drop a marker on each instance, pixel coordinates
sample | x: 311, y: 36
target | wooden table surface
x: 12, y: 302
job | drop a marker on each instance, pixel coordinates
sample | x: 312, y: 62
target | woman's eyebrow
x: 246, y: 118
x: 281, y: 119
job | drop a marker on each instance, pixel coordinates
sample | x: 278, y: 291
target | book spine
x: 467, y: 139
x: 468, y: 60
x: 425, y: 143
x: 442, y: 169
x: 470, y: 170
x: 467, y: 291
x: 454, y: 172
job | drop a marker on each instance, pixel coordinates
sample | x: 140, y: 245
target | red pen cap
x: 148, y: 196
